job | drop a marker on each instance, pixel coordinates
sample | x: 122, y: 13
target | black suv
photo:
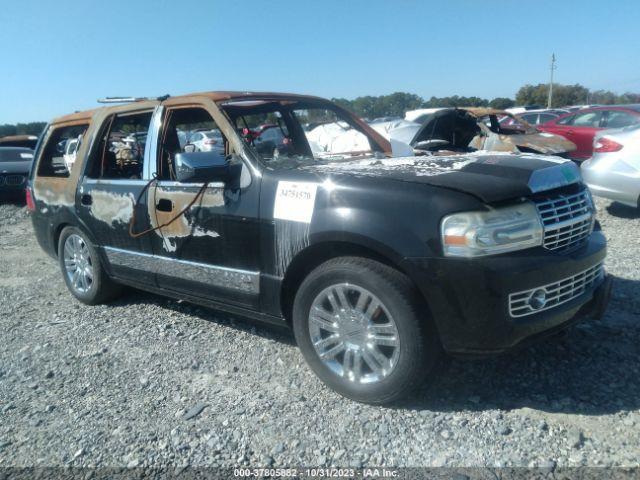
x: 378, y: 263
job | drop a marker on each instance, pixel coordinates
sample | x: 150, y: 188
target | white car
x: 613, y: 171
x: 206, y: 141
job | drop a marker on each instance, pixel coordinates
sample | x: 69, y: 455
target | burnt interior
x: 291, y: 120
x: 120, y: 150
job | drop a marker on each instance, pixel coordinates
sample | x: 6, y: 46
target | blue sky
x: 61, y: 56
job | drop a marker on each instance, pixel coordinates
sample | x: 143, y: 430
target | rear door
x: 582, y: 130
x: 212, y: 249
x: 112, y: 193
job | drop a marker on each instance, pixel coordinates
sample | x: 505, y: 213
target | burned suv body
x: 377, y: 263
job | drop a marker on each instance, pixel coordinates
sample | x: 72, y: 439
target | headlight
x: 474, y: 234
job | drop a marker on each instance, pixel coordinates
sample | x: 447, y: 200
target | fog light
x: 538, y: 299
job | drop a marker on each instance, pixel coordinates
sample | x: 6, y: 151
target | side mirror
x: 189, y: 148
x: 193, y: 167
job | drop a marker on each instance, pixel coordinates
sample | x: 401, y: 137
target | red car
x: 581, y: 126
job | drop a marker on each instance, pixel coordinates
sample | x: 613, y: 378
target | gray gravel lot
x: 148, y: 381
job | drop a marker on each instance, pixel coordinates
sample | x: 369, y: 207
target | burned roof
x: 216, y: 96
x: 75, y: 117
x: 483, y: 111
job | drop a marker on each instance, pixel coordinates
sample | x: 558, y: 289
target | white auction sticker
x: 295, y: 201
x: 26, y: 155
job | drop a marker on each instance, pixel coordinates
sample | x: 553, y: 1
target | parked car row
x: 582, y: 125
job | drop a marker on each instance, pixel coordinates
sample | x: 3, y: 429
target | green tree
x: 31, y: 128
x: 455, y: 101
x: 629, y: 97
x: 563, y: 95
x: 501, y: 103
x: 603, y: 97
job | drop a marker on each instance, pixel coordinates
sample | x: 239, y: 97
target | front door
x: 111, y: 193
x: 212, y: 249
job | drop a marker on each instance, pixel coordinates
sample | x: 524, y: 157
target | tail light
x: 31, y: 206
x: 605, y: 144
x: 210, y: 142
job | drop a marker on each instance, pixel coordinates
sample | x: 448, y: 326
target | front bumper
x: 469, y: 298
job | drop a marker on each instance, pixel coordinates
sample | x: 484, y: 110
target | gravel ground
x: 148, y: 381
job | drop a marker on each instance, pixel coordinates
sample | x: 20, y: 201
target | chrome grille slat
x: 13, y: 180
x: 557, y: 293
x: 567, y: 220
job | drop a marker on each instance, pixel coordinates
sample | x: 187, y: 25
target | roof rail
x: 130, y: 99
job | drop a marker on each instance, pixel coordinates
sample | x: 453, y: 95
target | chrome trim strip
x: 171, y: 183
x: 557, y: 293
x: 224, y: 277
x: 568, y: 223
x: 114, y: 181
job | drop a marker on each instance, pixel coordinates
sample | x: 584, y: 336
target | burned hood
x: 489, y: 176
x: 542, y: 142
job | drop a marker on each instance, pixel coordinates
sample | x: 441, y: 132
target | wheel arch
x: 317, y: 253
x: 69, y: 222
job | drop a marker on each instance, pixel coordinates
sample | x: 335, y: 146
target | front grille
x: 567, y: 219
x: 14, y: 180
x: 528, y: 302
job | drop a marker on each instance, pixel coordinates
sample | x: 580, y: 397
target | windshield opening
x: 277, y: 130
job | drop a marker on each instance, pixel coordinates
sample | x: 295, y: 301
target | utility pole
x: 553, y: 67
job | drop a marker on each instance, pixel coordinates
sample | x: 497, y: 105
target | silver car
x: 613, y: 171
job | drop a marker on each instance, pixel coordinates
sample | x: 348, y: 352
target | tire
x: 409, y: 352
x: 91, y: 289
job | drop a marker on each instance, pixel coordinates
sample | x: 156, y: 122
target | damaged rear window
x: 59, y: 153
x: 9, y: 154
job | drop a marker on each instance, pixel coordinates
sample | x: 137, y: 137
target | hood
x: 542, y: 142
x: 489, y: 176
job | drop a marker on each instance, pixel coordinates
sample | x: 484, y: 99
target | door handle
x: 164, y: 205
x: 85, y: 199
x: 570, y: 132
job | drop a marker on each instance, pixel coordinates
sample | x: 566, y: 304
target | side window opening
x: 588, y: 119
x: 188, y: 130
x: 620, y: 118
x: 566, y: 120
x: 283, y: 130
x: 120, y: 153
x: 59, y: 154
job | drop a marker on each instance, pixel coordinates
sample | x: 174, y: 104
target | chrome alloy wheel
x: 353, y: 333
x: 78, y: 263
